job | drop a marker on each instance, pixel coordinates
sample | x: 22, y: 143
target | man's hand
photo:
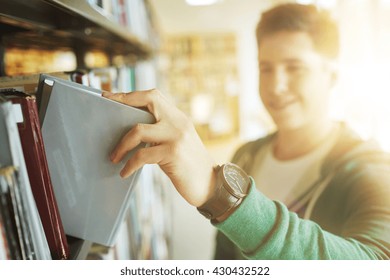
x: 175, y: 146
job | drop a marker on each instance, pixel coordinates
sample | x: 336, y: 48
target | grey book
x: 80, y: 128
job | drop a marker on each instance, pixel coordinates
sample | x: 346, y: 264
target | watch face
x: 236, y: 178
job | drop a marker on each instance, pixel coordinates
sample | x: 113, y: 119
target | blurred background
x: 206, y: 61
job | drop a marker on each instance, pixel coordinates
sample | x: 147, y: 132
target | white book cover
x: 80, y: 128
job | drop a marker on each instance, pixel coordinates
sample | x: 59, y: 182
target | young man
x: 315, y: 190
x: 302, y: 164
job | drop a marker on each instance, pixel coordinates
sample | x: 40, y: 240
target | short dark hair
x: 318, y: 24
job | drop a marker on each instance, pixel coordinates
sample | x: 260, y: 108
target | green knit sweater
x: 350, y: 219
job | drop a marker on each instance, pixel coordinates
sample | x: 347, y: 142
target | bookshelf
x: 78, y: 25
x: 112, y: 42
x: 202, y: 76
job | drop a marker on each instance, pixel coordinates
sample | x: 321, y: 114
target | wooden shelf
x: 73, y: 24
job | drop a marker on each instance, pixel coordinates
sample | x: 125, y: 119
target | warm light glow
x: 202, y: 2
x: 305, y: 2
x: 364, y: 87
x: 367, y: 101
x: 28, y: 61
x: 327, y: 4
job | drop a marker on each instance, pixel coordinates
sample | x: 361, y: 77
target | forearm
x: 264, y: 229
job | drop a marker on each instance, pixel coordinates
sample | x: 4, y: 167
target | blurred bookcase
x: 110, y: 44
x: 202, y: 76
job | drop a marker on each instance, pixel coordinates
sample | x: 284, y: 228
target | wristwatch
x: 232, y: 186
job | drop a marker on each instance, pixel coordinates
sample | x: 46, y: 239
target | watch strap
x: 226, y: 198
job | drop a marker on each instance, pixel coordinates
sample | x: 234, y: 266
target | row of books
x: 25, y: 188
x: 55, y: 177
x: 130, y: 14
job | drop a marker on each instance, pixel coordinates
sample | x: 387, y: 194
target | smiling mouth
x: 280, y: 105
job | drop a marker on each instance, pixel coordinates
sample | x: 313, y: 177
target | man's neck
x: 290, y: 144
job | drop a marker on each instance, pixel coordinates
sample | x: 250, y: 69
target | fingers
x: 143, y: 156
x: 148, y: 98
x: 147, y: 133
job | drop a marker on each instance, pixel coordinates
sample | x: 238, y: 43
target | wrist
x: 230, y: 187
x: 211, y: 185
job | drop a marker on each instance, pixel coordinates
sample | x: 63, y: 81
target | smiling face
x: 295, y: 79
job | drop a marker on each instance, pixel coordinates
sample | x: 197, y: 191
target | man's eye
x: 295, y: 68
x: 265, y: 69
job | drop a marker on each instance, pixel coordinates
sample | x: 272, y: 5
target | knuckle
x: 121, y: 97
x: 138, y: 129
x: 155, y: 92
x: 180, y: 134
x: 153, y: 95
x: 151, y: 99
x: 184, y: 129
x: 174, y: 150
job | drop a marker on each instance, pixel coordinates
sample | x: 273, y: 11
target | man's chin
x: 288, y: 123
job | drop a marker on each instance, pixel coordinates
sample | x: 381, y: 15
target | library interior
x: 61, y: 197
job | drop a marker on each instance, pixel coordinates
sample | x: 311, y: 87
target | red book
x: 38, y: 173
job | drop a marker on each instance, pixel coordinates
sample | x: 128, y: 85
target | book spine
x: 34, y: 152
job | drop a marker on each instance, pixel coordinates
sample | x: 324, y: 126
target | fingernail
x: 107, y: 93
x: 123, y: 174
x: 112, y: 156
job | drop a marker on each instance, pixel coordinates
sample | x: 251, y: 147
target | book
x: 28, y: 234
x: 21, y: 220
x: 11, y: 248
x: 4, y: 247
x: 38, y: 172
x: 80, y: 128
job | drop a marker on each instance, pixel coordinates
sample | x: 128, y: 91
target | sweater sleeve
x: 265, y: 229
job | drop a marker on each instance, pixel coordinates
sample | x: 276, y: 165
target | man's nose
x: 280, y: 82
